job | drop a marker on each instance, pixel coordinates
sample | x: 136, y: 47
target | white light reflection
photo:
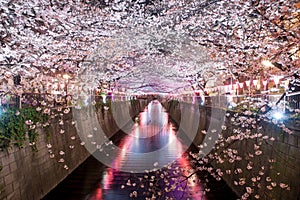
x: 278, y: 115
x: 146, y: 138
x: 107, y: 178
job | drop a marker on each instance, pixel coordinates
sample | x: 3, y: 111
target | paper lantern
x: 248, y: 83
x: 255, y: 82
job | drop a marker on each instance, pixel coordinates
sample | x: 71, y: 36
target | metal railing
x: 293, y: 100
x: 290, y: 100
x: 223, y: 101
x: 286, y: 102
x: 53, y: 100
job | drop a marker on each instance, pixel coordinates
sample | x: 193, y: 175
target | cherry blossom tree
x: 40, y: 37
x: 151, y: 45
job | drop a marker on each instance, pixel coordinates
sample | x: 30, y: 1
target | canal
x: 135, y: 175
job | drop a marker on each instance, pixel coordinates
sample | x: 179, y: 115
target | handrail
x: 292, y: 94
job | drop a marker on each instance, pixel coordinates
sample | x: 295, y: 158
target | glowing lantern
x: 276, y: 80
x: 258, y: 86
x: 248, y: 83
x: 241, y: 85
x: 265, y: 83
x: 267, y: 63
x: 255, y: 82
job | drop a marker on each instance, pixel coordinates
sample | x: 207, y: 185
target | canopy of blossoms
x: 146, y: 45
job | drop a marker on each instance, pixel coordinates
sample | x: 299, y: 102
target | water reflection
x: 151, y: 132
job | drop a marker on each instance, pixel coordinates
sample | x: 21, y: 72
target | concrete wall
x: 29, y: 175
x: 285, y: 150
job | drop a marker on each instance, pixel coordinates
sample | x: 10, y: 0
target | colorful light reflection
x: 148, y: 134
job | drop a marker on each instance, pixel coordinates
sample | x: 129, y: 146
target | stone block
x: 290, y: 173
x: 28, y: 151
x: 16, y: 185
x: 281, y: 147
x: 294, y: 152
x: 5, y: 171
x: 279, y: 136
x: 292, y: 194
x: 12, y: 149
x: 8, y: 188
x: 2, y: 154
x: 8, y: 179
x: 41, y: 145
x: 15, y: 195
x: 285, y: 137
x: 1, y: 184
x: 13, y: 166
x: 293, y: 140
x: 2, y: 194
x: 11, y: 158
x: 5, y: 160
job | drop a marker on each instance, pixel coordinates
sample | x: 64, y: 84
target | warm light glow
x: 66, y: 76
x: 255, y: 82
x: 108, y: 177
x: 276, y: 80
x: 241, y: 85
x: 265, y: 82
x: 267, y: 63
x: 248, y: 83
x: 258, y: 86
x: 104, y: 98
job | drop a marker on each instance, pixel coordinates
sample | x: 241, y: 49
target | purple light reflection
x: 151, y: 133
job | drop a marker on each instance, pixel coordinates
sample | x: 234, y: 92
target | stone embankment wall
x: 30, y: 175
x: 284, y: 150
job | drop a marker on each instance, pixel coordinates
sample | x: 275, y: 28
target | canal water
x: 153, y: 131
